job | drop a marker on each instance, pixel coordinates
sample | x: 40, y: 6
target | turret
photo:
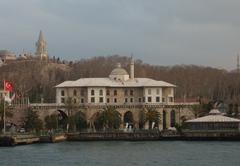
x: 41, y: 47
x: 132, y: 69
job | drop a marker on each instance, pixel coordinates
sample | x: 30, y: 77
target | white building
x: 118, y: 89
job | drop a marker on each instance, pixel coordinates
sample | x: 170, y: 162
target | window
x: 108, y: 92
x: 74, y: 92
x: 170, y: 99
x: 158, y: 99
x: 158, y: 91
x: 149, y: 99
x: 82, y: 92
x: 62, y: 93
x: 74, y: 101
x: 92, y: 92
x: 131, y: 92
x: 100, y: 99
x: 131, y: 100
x: 126, y: 92
x: 139, y: 99
x: 115, y: 92
x: 108, y: 100
x: 92, y: 99
x: 115, y: 100
x: 82, y: 100
x: 62, y: 100
x: 100, y: 92
x: 126, y: 100
x: 149, y: 91
x: 163, y: 99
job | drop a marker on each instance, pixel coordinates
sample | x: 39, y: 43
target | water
x: 159, y: 153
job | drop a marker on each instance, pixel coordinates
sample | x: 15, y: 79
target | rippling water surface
x: 159, y: 153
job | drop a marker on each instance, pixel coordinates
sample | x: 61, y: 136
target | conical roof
x: 40, y: 38
x: 214, y: 116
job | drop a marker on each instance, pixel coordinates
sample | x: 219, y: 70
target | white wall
x: 96, y: 94
x: 153, y: 94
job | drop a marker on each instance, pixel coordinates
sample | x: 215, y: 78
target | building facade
x: 124, y: 92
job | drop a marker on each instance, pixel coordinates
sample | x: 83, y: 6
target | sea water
x: 123, y: 153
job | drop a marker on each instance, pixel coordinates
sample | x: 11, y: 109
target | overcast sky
x: 164, y: 32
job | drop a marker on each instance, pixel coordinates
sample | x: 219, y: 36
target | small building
x: 215, y: 121
x: 6, y: 56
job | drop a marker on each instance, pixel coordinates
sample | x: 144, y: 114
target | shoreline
x: 14, y: 140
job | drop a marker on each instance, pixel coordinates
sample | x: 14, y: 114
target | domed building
x: 214, y: 121
x: 128, y: 94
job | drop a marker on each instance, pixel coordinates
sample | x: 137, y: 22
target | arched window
x: 108, y: 92
x: 62, y: 93
x: 173, y: 118
x: 100, y: 92
x: 92, y: 92
x: 74, y: 92
x: 115, y: 92
x: 131, y: 92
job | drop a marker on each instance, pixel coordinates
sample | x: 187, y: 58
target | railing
x: 116, y: 105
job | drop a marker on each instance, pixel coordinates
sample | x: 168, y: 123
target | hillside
x: 35, y: 79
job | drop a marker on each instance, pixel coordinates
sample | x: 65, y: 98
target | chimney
x: 132, y: 69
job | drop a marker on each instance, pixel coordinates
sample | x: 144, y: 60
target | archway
x: 128, y: 119
x: 172, y: 118
x: 164, y: 120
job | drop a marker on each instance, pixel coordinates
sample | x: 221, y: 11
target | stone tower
x: 41, y: 48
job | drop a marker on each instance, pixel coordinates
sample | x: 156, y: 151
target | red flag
x: 8, y: 86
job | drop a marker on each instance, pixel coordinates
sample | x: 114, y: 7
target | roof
x: 106, y: 82
x: 119, y: 70
x: 215, y: 112
x: 213, y: 118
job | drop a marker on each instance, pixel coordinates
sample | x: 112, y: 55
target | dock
x: 53, y: 138
x: 23, y: 139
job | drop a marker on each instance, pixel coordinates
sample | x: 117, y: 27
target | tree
x: 80, y: 119
x: 51, y: 121
x: 142, y: 119
x: 109, y: 118
x: 201, y: 109
x: 32, y: 121
x: 152, y: 115
x: 7, y: 113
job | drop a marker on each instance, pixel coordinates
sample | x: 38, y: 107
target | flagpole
x: 4, y: 125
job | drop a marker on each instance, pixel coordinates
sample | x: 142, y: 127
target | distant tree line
x: 37, y: 79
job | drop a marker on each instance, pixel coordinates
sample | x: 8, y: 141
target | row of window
x: 82, y: 92
x: 74, y: 100
x: 131, y: 100
x: 150, y: 91
x: 126, y: 92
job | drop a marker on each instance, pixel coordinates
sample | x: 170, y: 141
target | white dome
x: 119, y: 70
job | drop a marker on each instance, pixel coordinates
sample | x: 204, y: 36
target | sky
x: 158, y: 32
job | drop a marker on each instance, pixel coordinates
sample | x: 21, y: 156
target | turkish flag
x: 8, y: 86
